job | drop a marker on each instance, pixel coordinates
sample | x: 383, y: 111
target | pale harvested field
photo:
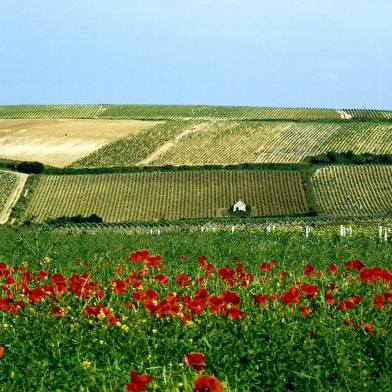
x: 59, y: 142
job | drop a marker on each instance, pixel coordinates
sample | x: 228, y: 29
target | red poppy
x: 236, y: 259
x: 216, y: 304
x: 118, y: 270
x: 231, y: 297
x: 138, y: 382
x: 312, y: 335
x: 58, y: 279
x: 265, y: 267
x: 183, y: 279
x: 139, y: 255
x: 260, y: 299
x: 379, y: 301
x: 162, y: 279
x: 183, y: 258
x: 388, y: 295
x: 309, y: 290
x: 291, y: 296
x: 9, y: 279
x: 234, y: 313
x: 304, y: 310
x: 202, y: 261
x: 196, y: 360
x: 274, y: 262
x: 208, y: 383
x: 369, y: 328
x: 355, y: 264
x: 333, y: 268
x: 282, y: 274
x: 118, y: 286
x: 329, y: 297
x: 308, y: 270
x: 42, y: 274
x: 1, y: 351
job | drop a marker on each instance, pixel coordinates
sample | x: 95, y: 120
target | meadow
x: 252, y: 310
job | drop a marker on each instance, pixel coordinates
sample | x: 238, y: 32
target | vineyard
x: 8, y: 181
x: 50, y: 111
x: 220, y: 143
x: 354, y: 190
x: 231, y: 142
x: 167, y: 195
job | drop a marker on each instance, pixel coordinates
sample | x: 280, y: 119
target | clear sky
x: 286, y: 53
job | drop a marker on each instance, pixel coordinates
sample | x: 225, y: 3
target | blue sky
x: 286, y: 53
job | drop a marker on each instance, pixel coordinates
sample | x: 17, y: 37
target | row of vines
x: 167, y: 195
x: 275, y: 142
x: 353, y: 190
x: 50, y: 111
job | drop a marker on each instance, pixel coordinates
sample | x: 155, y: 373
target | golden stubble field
x: 59, y: 142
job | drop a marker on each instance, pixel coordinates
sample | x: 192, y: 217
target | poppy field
x: 215, y: 311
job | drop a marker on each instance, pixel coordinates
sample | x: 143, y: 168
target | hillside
x: 193, y: 161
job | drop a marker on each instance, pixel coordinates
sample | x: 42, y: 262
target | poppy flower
x: 355, y: 264
x: 291, y: 296
x: 162, y: 279
x: 231, y: 297
x: 139, y: 255
x: 208, y: 383
x: 118, y: 286
x: 183, y: 279
x: 1, y: 351
x: 379, y: 301
x: 309, y: 290
x: 202, y: 261
x: 329, y: 297
x: 282, y: 274
x: 333, y: 268
x: 234, y: 313
x: 260, y: 299
x: 265, y: 267
x: 304, y: 310
x: 308, y: 270
x: 196, y: 360
x: 138, y: 382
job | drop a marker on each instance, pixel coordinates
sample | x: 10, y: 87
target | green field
x: 270, y: 311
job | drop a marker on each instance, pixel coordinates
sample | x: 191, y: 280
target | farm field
x: 249, y: 311
x: 59, y: 142
x: 353, y: 190
x: 167, y: 195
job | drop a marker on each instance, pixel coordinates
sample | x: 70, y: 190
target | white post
x: 202, y: 229
x: 342, y: 231
x: 268, y: 228
x: 307, y: 231
x: 385, y: 235
x: 380, y: 231
x: 232, y: 229
x: 159, y: 231
x: 350, y: 230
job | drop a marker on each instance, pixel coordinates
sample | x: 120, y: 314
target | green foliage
x: 30, y: 167
x: 65, y: 220
x: 349, y: 157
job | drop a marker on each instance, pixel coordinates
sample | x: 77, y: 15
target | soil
x: 58, y: 142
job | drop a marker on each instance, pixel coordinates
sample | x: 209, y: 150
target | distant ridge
x: 186, y: 112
